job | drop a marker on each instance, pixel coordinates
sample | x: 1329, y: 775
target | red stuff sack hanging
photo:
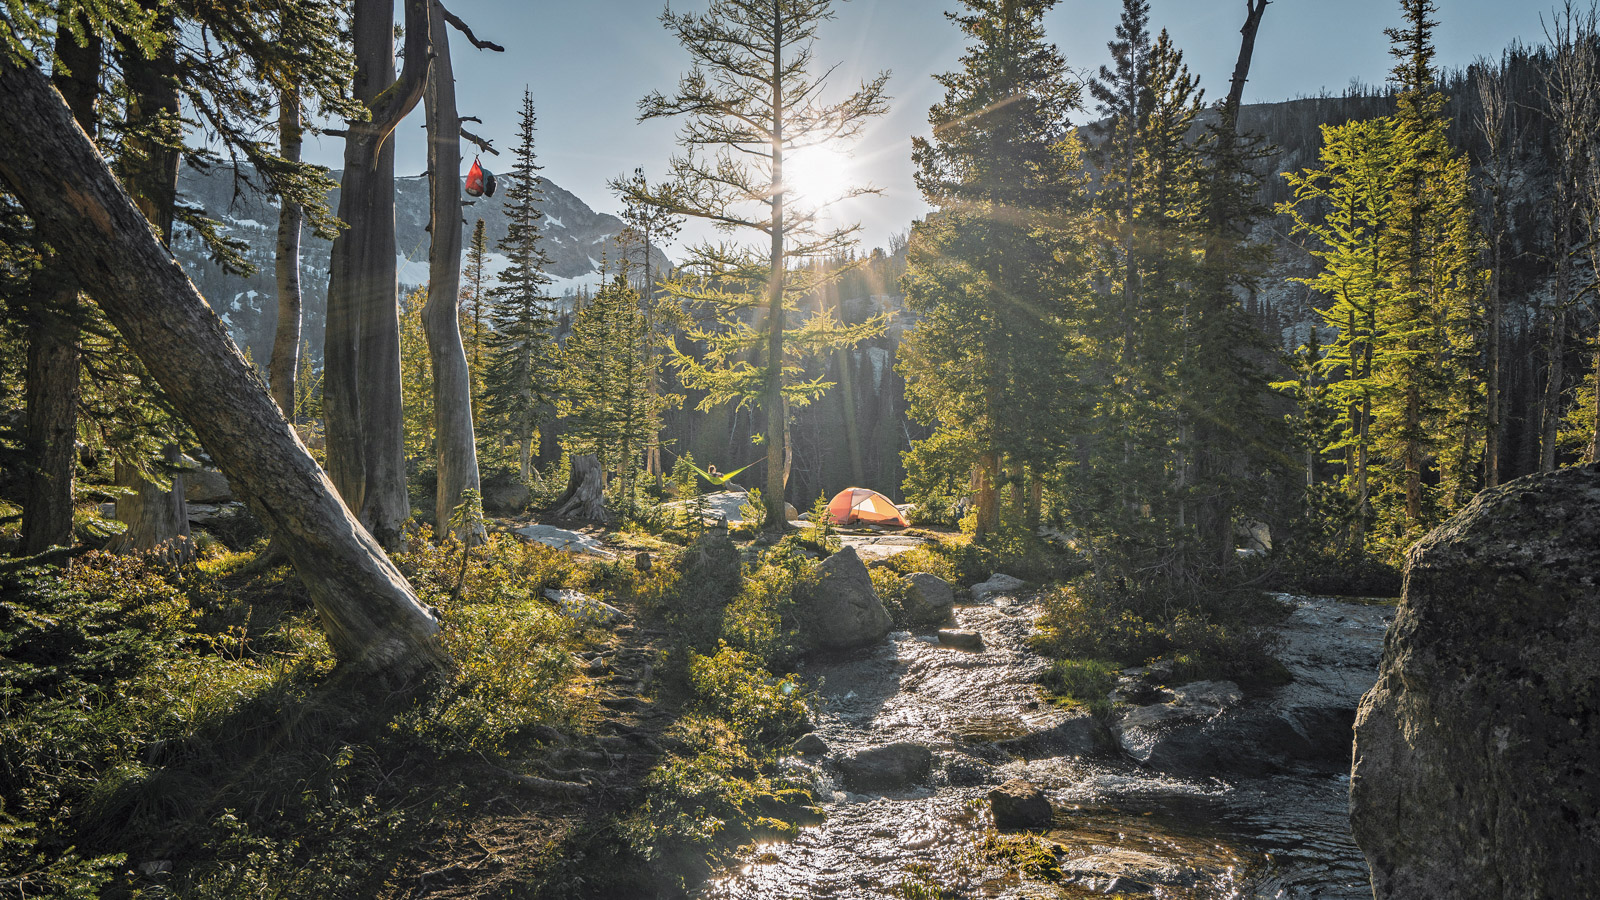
x: 475, y: 179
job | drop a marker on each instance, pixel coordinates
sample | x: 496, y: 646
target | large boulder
x: 1477, y: 756
x: 887, y: 768
x: 206, y: 487
x: 842, y: 610
x: 929, y: 599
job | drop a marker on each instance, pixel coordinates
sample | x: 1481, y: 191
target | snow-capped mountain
x: 575, y: 238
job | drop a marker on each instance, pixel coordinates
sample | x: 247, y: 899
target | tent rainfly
x: 863, y: 505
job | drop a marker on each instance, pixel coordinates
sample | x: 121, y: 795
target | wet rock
x: 843, y: 611
x: 929, y: 598
x: 584, y: 608
x: 811, y: 745
x: 963, y: 771
x: 1213, y: 694
x: 1476, y: 767
x: 1019, y: 804
x: 889, y: 767
x: 961, y: 640
x: 997, y: 584
x: 1192, y: 735
x: 1126, y: 872
x: 1079, y: 735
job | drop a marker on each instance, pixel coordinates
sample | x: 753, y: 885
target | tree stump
x: 585, y: 496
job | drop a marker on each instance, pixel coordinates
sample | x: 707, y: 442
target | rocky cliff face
x: 1477, y: 759
x: 575, y: 237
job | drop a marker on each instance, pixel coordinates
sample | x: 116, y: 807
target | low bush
x: 195, y: 716
x: 1083, y: 682
x: 707, y: 798
x: 1218, y: 635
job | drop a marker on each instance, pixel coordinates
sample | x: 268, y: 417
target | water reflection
x: 1119, y: 828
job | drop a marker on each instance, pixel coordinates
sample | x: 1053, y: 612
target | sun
x: 818, y: 175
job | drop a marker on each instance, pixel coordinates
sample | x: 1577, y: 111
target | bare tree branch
x: 466, y: 31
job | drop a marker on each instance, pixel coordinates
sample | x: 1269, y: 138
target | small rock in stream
x: 963, y: 771
x: 1080, y: 735
x: 961, y: 640
x: 889, y: 767
x: 1019, y: 804
x: 997, y: 584
x: 811, y: 745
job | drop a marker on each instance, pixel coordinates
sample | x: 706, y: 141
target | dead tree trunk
x: 361, y: 384
x: 51, y: 380
x: 374, y: 621
x: 441, y: 319
x: 585, y: 496
x: 1218, y: 455
x: 285, y: 363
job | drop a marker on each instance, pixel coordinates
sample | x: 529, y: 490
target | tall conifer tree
x: 991, y: 272
x: 519, y: 380
x: 752, y: 96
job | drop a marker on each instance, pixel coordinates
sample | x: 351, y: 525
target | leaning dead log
x: 374, y: 621
x: 585, y: 496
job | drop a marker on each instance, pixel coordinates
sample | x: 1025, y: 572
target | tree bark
x: 285, y: 363
x: 374, y: 621
x: 51, y: 382
x: 156, y: 523
x: 584, y: 499
x: 441, y: 319
x: 361, y: 384
x: 1214, y: 461
x: 777, y: 410
x: 1555, y: 376
x: 157, y: 519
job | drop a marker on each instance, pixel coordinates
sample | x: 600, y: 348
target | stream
x: 1270, y: 822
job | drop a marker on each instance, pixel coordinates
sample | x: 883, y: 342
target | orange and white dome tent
x: 864, y: 505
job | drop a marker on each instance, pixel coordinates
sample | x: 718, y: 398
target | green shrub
x: 708, y: 797
x: 733, y: 686
x: 891, y: 589
x: 1085, y: 682
x: 1221, y: 634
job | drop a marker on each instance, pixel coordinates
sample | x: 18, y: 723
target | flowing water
x: 1119, y: 827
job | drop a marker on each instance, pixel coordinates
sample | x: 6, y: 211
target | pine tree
x: 611, y: 409
x: 1355, y: 187
x: 1230, y: 437
x: 752, y: 97
x: 1401, y: 270
x: 475, y: 332
x: 365, y: 430
x: 1150, y: 231
x: 1427, y: 403
x: 649, y: 225
x: 519, y: 380
x: 985, y: 362
x: 475, y: 304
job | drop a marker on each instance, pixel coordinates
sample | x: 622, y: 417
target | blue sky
x: 589, y: 61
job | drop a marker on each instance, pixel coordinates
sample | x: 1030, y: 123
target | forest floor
x: 186, y: 732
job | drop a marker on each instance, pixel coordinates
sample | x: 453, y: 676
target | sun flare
x: 818, y: 175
